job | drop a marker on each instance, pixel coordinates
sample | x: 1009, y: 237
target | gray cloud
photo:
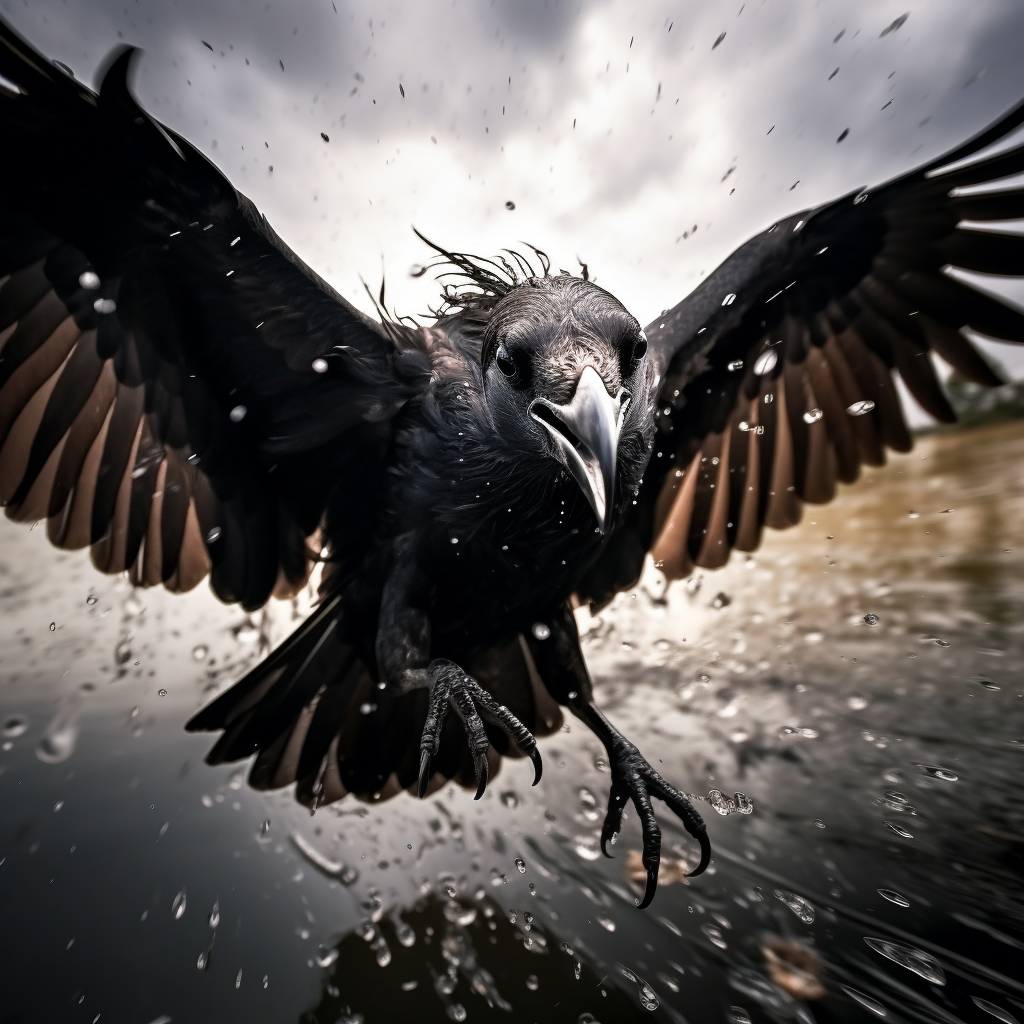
x: 611, y: 126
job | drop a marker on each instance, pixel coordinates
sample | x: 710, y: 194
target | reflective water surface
x: 858, y: 683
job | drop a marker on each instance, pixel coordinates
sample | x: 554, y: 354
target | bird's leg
x: 450, y: 687
x: 404, y: 663
x: 560, y: 663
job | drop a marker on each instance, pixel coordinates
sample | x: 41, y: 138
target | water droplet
x: 178, y: 906
x: 456, y: 1011
x: 237, y: 414
x: 381, y: 951
x: 714, y: 934
x: 509, y: 205
x: 91, y: 599
x: 104, y: 306
x: 89, y: 280
x: 912, y: 959
x: 566, y: 948
x: 577, y: 967
x: 720, y: 802
x: 996, y: 1011
x: 860, y: 408
x: 123, y: 652
x: 736, y: 364
x: 202, y: 960
x: 871, y: 619
x: 509, y: 799
x: 213, y: 535
x: 940, y: 643
x: 933, y: 771
x: 721, y: 600
x: 765, y: 362
x: 819, y: 823
x: 801, y: 907
x: 866, y: 1001
x: 238, y: 978
x: 737, y: 1015
x: 532, y: 983
x: 894, y: 897
x: 912, y: 514
x: 200, y: 651
x: 989, y: 686
x: 521, y: 865
x: 813, y: 415
x: 899, y: 830
x: 14, y: 726
x: 856, y: 702
x: 325, y: 957
x: 214, y: 919
x: 648, y: 999
x: 540, y: 630
x: 729, y: 299
x: 743, y: 803
x: 319, y: 365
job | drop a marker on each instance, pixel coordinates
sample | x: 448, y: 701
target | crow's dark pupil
x: 505, y: 363
x: 640, y: 349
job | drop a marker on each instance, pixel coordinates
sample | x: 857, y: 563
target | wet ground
x: 859, y: 681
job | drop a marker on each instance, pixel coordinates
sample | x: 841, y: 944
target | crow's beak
x: 586, y: 432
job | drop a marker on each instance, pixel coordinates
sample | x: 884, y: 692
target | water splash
x: 912, y: 959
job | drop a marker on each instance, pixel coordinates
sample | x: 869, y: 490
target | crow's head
x: 566, y: 377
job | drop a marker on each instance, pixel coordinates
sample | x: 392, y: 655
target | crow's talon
x: 634, y: 779
x: 450, y: 687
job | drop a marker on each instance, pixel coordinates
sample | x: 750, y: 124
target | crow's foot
x: 450, y: 687
x: 634, y: 779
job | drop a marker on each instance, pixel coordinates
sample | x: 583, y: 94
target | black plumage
x: 179, y: 392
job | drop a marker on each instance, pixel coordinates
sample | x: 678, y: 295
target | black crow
x: 181, y: 393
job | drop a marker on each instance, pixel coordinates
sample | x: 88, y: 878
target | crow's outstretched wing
x: 776, y: 373
x: 177, y: 389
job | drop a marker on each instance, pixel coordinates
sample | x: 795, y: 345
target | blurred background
x: 857, y: 681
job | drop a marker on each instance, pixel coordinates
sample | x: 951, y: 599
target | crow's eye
x: 640, y: 346
x: 507, y: 363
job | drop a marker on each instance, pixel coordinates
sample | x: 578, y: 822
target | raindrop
x: 214, y: 919
x: 238, y: 978
x: 737, y: 1015
x: 57, y: 806
x: 456, y: 1012
x: 200, y: 651
x: 178, y: 906
x: 509, y: 205
x: 913, y: 959
x: 606, y: 923
x: 265, y: 828
x: 323, y: 135
x: 856, y: 702
x: 933, y: 771
x: 381, y: 952
x: 720, y: 802
x: 104, y: 305
x: 866, y: 1001
x: 988, y: 685
x: 521, y: 865
x: 736, y: 364
x: 319, y: 365
x: 871, y: 619
x: 743, y: 803
x: 89, y: 279
x: 237, y: 414
x: 576, y: 969
x: 801, y: 907
x: 721, y: 600
x: 532, y: 983
x: 53, y: 626
x: 326, y: 957
x: 729, y: 299
x: 123, y: 652
x: 714, y: 935
x: 566, y: 948
x: 899, y: 830
x: 813, y: 415
x: 648, y: 999
x: 509, y: 799
x: 894, y: 897
x: 540, y: 630
x: 996, y: 1011
x: 417, y: 270
x: 213, y: 536
x: 860, y: 408
x: 161, y: 693
x: 14, y: 726
x: 765, y: 362
x: 941, y: 643
x: 819, y: 823
x: 91, y: 599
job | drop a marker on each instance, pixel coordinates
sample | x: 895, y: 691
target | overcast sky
x: 615, y: 128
